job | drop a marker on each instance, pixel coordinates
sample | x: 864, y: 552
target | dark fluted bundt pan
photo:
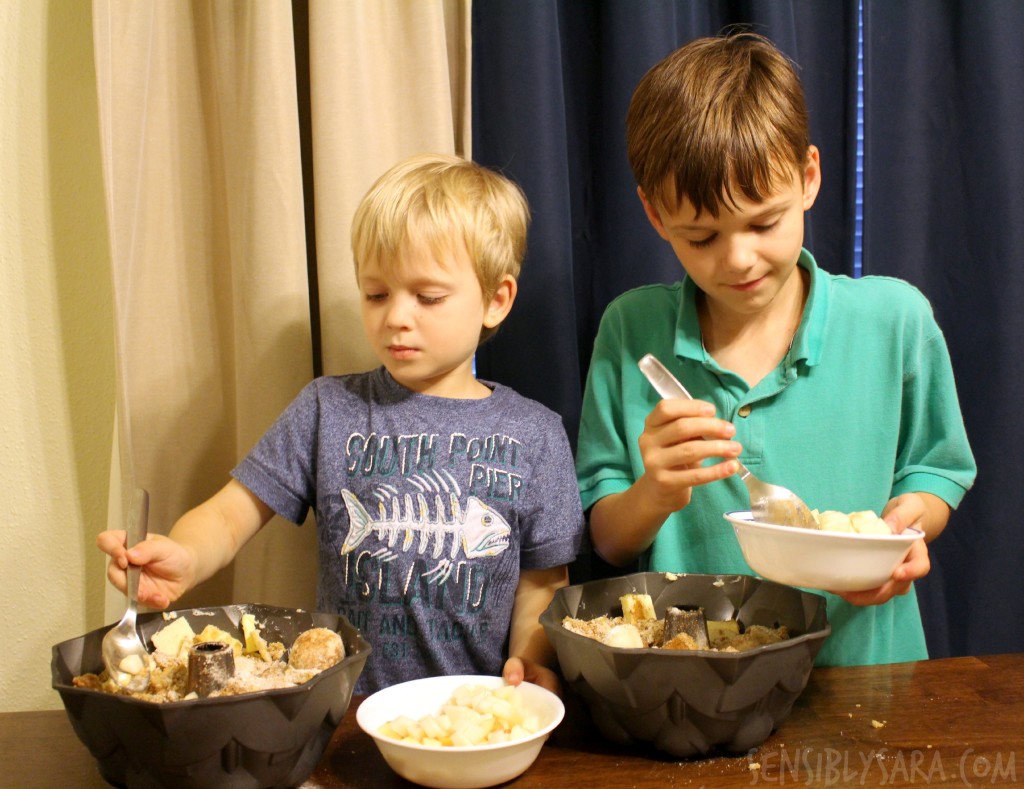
x: 686, y: 703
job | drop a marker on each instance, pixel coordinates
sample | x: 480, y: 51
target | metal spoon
x: 122, y: 647
x: 768, y: 503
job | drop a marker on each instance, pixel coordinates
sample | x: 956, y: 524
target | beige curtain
x: 202, y: 173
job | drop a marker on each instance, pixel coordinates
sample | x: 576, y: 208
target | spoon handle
x: 664, y: 383
x: 138, y: 520
x: 668, y: 386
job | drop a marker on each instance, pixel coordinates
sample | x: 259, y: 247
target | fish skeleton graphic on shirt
x: 479, y: 531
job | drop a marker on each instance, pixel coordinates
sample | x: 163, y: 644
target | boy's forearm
x: 533, y: 595
x: 623, y: 525
x: 216, y: 530
x: 936, y: 517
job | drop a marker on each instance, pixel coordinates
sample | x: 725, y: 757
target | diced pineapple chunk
x: 637, y: 608
x: 254, y: 642
x: 473, y: 715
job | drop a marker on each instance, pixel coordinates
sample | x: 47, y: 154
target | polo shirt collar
x: 807, y: 344
x: 810, y: 335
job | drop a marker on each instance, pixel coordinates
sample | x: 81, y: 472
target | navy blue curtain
x: 943, y: 105
x: 551, y: 85
x: 944, y: 209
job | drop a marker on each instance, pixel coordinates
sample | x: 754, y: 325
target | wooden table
x: 956, y: 721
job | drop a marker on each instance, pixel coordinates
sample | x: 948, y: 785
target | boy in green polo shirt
x: 839, y: 389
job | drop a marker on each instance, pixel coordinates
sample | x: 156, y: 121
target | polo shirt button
x: 744, y: 411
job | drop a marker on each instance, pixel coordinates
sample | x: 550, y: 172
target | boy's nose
x: 399, y: 313
x: 739, y: 252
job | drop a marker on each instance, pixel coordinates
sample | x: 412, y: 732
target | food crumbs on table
x: 877, y: 724
x: 754, y: 766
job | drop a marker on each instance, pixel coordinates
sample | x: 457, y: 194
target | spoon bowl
x: 124, y: 654
x: 769, y: 503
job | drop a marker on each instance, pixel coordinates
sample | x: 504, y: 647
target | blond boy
x: 446, y: 506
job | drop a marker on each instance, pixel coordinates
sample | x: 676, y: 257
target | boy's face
x: 423, y: 319
x: 743, y: 258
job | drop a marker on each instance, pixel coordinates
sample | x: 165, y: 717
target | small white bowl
x: 453, y: 767
x: 832, y: 561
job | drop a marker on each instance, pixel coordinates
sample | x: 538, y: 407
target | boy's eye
x: 429, y: 300
x: 375, y: 296
x: 764, y: 228
x: 704, y: 242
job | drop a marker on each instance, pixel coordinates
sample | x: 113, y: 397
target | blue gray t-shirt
x: 427, y: 509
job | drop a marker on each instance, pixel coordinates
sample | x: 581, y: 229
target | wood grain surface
x: 957, y: 721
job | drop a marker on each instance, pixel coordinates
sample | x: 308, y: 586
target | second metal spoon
x: 768, y: 503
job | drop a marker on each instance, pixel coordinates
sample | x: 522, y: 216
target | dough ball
x: 319, y: 648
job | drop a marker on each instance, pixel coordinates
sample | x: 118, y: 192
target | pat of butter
x: 176, y: 636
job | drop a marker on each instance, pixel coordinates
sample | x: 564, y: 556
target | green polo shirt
x: 861, y: 409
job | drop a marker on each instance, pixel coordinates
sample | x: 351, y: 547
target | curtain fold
x: 388, y: 80
x: 944, y: 84
x: 551, y: 85
x: 190, y: 96
x: 202, y: 171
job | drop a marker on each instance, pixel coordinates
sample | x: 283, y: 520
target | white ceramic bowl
x: 832, y: 561
x: 451, y: 767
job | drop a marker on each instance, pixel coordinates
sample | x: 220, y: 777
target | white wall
x: 56, y: 342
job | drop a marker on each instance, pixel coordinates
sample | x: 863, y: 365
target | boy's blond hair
x: 719, y: 114
x: 443, y: 202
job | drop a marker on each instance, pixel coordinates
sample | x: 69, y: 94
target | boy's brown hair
x: 719, y: 114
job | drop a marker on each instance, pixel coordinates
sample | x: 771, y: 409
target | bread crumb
x: 878, y: 724
x: 754, y: 766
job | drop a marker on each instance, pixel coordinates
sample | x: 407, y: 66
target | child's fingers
x: 904, y: 512
x: 116, y: 575
x: 514, y: 671
x: 156, y: 549
x: 696, y: 454
x: 150, y: 595
x: 149, y: 550
x: 917, y: 564
x: 691, y: 416
x: 111, y: 542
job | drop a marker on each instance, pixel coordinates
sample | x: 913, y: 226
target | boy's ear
x: 652, y: 214
x: 501, y: 302
x: 812, y: 176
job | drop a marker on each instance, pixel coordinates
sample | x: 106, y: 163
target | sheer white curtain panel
x: 203, y: 178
